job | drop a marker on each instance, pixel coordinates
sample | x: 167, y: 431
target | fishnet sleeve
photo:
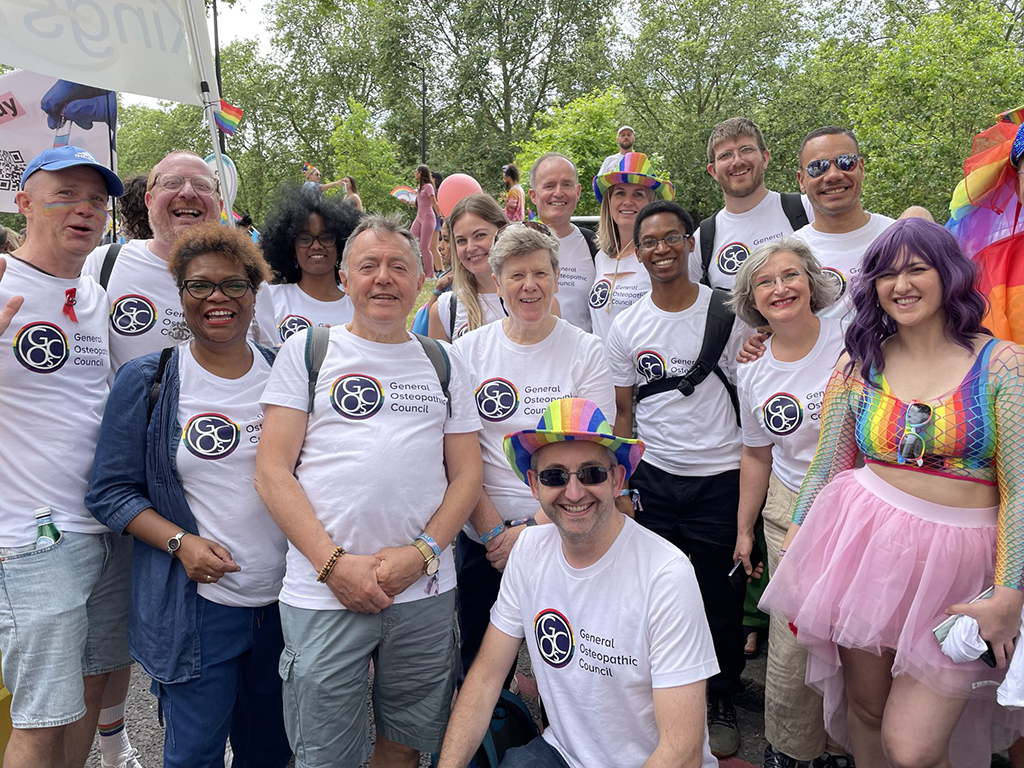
x: 1006, y: 374
x: 837, y: 443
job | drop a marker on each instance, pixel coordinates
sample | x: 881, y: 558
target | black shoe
x: 775, y: 759
x: 723, y: 735
x: 828, y: 760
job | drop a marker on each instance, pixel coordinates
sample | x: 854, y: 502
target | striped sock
x: 113, y: 736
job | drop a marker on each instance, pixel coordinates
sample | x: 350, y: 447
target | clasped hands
x: 369, y: 583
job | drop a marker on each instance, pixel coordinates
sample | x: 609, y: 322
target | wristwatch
x: 174, y: 543
x: 431, y: 562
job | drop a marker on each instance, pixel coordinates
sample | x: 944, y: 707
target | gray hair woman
x: 517, y: 366
x: 781, y: 285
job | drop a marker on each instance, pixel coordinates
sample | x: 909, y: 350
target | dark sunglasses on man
x: 845, y: 162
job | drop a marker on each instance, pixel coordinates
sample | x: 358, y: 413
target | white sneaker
x: 128, y: 761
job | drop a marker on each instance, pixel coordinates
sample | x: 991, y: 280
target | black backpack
x: 792, y: 206
x: 511, y: 726
x: 108, y: 265
x: 717, y: 330
x: 591, y: 237
x: 316, y: 350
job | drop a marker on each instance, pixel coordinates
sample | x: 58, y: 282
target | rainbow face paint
x: 67, y: 206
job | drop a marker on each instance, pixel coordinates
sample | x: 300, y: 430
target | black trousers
x: 698, y: 515
x: 479, y: 583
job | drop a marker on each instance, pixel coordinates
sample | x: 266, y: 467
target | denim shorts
x: 414, y: 648
x: 63, y: 616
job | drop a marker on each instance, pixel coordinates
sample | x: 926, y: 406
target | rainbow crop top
x: 976, y: 433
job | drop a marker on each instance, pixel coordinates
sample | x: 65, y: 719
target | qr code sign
x: 12, y: 165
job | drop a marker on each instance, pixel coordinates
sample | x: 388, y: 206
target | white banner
x: 132, y: 46
x: 38, y: 112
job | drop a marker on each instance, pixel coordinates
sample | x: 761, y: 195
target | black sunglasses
x: 845, y: 162
x: 556, y: 478
x: 305, y: 240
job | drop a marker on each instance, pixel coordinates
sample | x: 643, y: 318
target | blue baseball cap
x: 59, y: 158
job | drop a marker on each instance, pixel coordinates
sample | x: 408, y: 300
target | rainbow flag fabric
x: 228, y: 118
x: 986, y: 218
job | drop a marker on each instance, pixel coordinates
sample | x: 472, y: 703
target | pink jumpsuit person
x: 423, y: 226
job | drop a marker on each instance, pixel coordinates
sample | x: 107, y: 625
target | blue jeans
x: 237, y: 693
x: 537, y: 754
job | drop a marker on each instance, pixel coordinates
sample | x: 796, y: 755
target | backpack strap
x: 717, y: 331
x: 316, y: 350
x: 438, y: 358
x: 108, y: 264
x: 793, y: 207
x: 707, y: 247
x: 453, y: 306
x: 158, y: 379
x: 592, y: 244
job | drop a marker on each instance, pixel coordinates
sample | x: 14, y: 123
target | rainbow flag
x: 228, y: 118
x: 985, y: 216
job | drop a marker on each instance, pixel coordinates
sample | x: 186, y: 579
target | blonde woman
x: 620, y: 280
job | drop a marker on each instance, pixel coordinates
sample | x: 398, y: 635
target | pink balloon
x: 453, y: 189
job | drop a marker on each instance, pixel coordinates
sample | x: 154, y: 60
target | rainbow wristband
x: 493, y: 533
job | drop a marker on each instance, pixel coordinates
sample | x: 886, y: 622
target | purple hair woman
x: 878, y: 556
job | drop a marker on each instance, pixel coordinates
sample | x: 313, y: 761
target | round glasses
x: 911, y: 445
x: 172, y: 182
x: 305, y: 240
x: 203, y: 289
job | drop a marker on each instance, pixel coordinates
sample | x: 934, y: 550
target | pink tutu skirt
x: 874, y: 568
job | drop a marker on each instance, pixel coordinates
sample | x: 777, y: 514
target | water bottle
x: 46, y: 532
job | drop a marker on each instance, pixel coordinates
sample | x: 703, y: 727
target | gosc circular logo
x: 838, y: 278
x: 496, y: 399
x: 731, y: 258
x: 555, y: 641
x: 291, y: 325
x: 782, y: 414
x: 650, y: 365
x: 132, y: 315
x: 41, y: 347
x: 600, y: 293
x: 356, y: 396
x: 211, y: 436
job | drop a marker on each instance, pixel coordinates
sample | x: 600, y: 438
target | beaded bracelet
x: 329, y: 565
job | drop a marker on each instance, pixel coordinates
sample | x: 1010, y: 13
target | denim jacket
x: 134, y: 469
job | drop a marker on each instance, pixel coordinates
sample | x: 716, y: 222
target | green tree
x: 931, y: 89
x: 362, y: 151
x: 695, y: 63
x: 584, y: 131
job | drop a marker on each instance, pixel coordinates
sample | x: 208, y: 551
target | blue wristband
x: 494, y: 532
x: 429, y: 541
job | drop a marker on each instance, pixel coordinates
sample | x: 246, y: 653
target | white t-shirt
x: 780, y: 403
x: 610, y: 163
x: 372, y: 462
x: 602, y: 638
x: 145, y: 308
x: 514, y: 384
x: 575, y: 278
x: 695, y: 436
x: 282, y: 310
x: 490, y: 305
x: 738, y: 234
x: 841, y: 256
x: 53, y: 387
x: 220, y: 423
x: 614, y: 291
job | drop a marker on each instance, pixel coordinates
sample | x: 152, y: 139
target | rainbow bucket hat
x: 565, y: 420
x: 633, y: 168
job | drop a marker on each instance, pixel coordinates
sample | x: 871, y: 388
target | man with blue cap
x: 611, y: 613
x: 64, y: 596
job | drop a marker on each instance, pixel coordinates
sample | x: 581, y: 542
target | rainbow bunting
x: 228, y: 118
